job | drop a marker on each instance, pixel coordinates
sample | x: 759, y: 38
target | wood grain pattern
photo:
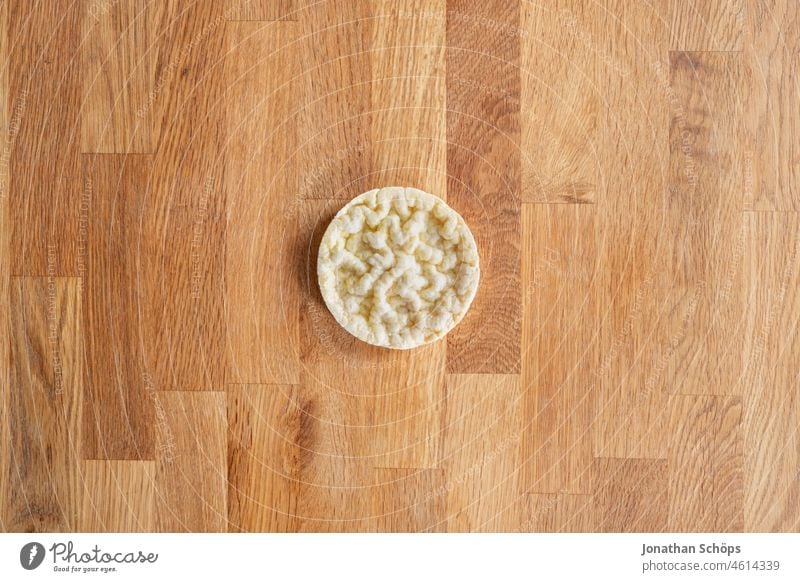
x: 772, y: 48
x: 254, y: 10
x: 771, y: 401
x: 128, y: 500
x: 629, y: 170
x: 483, y: 169
x: 45, y: 399
x: 336, y: 483
x: 182, y: 251
x: 390, y: 404
x: 705, y: 464
x: 393, y: 399
x: 44, y: 163
x: 706, y: 196
x: 630, y: 495
x: 334, y: 122
x: 191, y: 458
x: 118, y: 409
x: 559, y: 512
x: 482, y: 434
x: 631, y: 59
x: 335, y: 492
x: 559, y: 346
x: 408, y: 95
x: 118, y: 65
x: 402, y: 500
x: 267, y: 444
x: 560, y: 104
x: 713, y: 25
x: 5, y: 278
x: 261, y: 197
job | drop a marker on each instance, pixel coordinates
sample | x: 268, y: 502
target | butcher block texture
x: 630, y: 171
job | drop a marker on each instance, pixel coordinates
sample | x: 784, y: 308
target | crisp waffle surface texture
x: 398, y: 267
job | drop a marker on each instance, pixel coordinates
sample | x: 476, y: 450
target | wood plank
x: 395, y: 396
x: 772, y: 48
x: 182, y: 250
x: 482, y: 453
x: 45, y: 403
x: 338, y: 499
x: 706, y: 135
x: 705, y: 464
x: 402, y: 500
x: 268, y: 435
x: 630, y: 495
x: 390, y: 403
x: 703, y: 209
x: 629, y: 44
x: 560, y: 104
x: 675, y: 296
x: 367, y: 407
x: 260, y: 10
x: 559, y: 512
x: 559, y: 344
x: 409, y: 127
x: 391, y: 399
x: 713, y: 25
x: 119, y: 496
x: 118, y: 74
x: 6, y: 463
x: 771, y: 398
x: 339, y: 492
x: 6, y: 143
x: 8, y: 130
x: 633, y: 132
x: 44, y: 165
x: 335, y: 144
x: 190, y: 472
x: 336, y: 482
x: 261, y: 69
x: 483, y: 168
x: 118, y: 410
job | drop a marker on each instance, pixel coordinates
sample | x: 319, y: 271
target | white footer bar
x: 380, y: 557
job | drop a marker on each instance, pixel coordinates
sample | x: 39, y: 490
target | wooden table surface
x: 631, y: 171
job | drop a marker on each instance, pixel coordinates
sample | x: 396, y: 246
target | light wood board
x: 629, y: 169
